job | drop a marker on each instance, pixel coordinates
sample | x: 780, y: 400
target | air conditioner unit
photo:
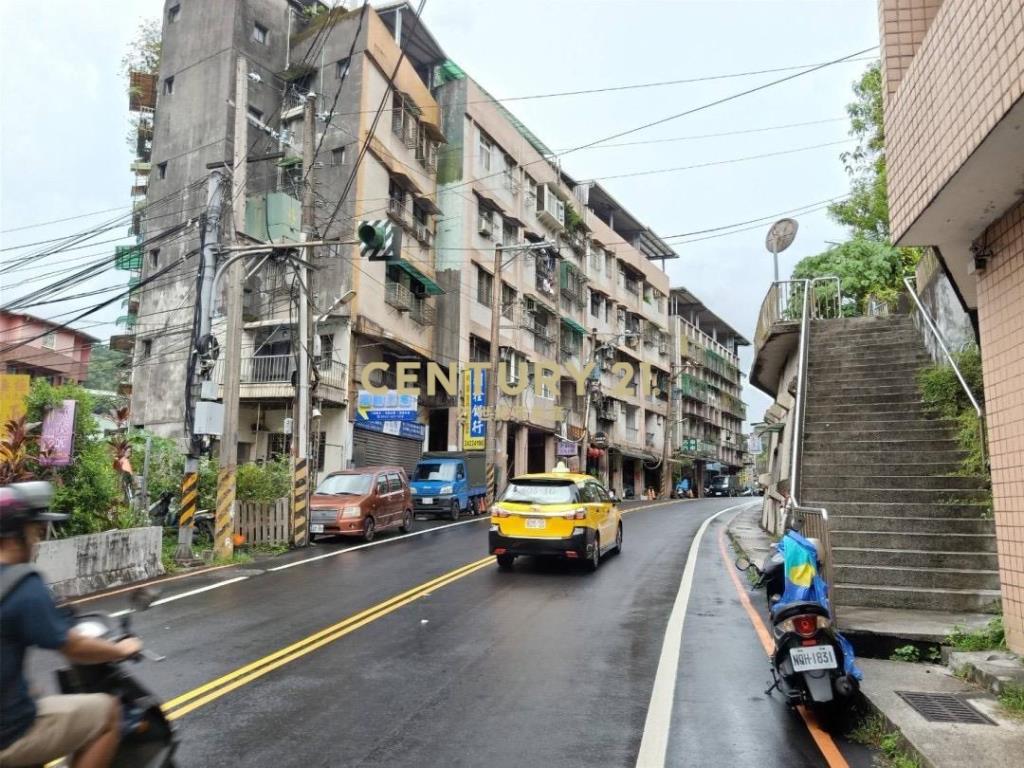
x: 485, y: 228
x: 633, y: 339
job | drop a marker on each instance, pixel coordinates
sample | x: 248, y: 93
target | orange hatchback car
x: 361, y: 502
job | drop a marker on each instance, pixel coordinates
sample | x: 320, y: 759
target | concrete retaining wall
x: 83, y: 564
x: 939, y: 299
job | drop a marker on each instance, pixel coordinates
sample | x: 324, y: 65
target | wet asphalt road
x: 546, y: 665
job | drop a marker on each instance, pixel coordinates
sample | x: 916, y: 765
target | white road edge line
x: 180, y: 595
x: 654, y: 743
x: 337, y: 552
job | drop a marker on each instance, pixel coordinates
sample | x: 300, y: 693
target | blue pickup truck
x: 449, y: 483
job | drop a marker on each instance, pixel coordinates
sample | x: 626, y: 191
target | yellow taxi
x: 555, y: 514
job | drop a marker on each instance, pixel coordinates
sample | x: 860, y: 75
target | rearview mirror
x: 142, y: 598
x: 742, y: 563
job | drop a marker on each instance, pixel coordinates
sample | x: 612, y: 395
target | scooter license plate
x: 316, y: 528
x: 811, y: 657
x: 427, y: 501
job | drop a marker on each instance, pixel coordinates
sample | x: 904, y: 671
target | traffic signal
x: 380, y: 240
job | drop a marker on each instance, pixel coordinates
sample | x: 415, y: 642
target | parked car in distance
x: 361, y: 502
x: 555, y: 514
x: 722, y: 485
x: 450, y: 483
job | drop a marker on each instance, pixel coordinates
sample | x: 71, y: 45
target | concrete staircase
x: 906, y: 531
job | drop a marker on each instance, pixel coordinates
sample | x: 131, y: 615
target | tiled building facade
x: 954, y: 122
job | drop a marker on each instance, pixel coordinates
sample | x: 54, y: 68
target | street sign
x: 58, y: 434
x: 781, y: 235
x: 474, y: 400
x: 566, y: 448
x: 599, y: 440
x: 390, y: 406
x: 14, y: 389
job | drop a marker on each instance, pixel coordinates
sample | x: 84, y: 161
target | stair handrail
x: 978, y: 410
x: 797, y: 415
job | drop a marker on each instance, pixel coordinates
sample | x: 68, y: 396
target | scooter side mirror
x: 142, y: 598
x: 743, y: 563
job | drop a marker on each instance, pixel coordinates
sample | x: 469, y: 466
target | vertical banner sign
x: 58, y: 435
x: 13, y: 391
x: 474, y: 431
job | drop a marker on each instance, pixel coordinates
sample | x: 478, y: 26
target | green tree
x: 864, y: 267
x: 868, y: 263
x: 104, y: 369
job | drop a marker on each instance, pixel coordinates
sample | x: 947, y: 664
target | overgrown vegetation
x: 867, y: 264
x: 913, y: 655
x: 96, y: 489
x: 992, y: 637
x: 874, y: 732
x: 104, y: 369
x: 1011, y: 699
x: 943, y: 396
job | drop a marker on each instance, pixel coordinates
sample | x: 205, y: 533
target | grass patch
x: 1012, y: 700
x: 168, y: 547
x: 874, y: 732
x: 914, y: 654
x: 992, y: 637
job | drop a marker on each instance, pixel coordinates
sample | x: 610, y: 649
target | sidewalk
x: 997, y: 743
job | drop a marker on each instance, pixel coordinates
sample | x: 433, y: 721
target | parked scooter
x: 812, y: 663
x: 148, y: 739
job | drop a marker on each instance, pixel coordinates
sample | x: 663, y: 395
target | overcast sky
x: 64, y: 120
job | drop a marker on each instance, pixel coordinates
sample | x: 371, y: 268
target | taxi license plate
x: 813, y: 657
x: 536, y: 522
x: 427, y: 501
x: 316, y: 528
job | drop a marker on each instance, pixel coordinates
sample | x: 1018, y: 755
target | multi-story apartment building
x: 459, y: 176
x: 43, y: 350
x: 577, y: 287
x: 953, y: 87
x: 708, y: 410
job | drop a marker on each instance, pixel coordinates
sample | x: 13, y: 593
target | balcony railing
x: 422, y: 233
x: 398, y: 296
x: 398, y: 210
x: 423, y: 312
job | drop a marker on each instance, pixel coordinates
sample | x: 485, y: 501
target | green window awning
x: 433, y: 289
x: 574, y: 325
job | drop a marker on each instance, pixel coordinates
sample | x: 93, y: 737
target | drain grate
x: 944, y: 708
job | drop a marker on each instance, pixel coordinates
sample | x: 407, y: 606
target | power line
x: 58, y: 221
x: 711, y: 163
x: 720, y: 134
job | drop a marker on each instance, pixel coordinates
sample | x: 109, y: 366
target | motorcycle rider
x: 34, y: 732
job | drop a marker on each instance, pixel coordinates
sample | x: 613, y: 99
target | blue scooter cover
x: 805, y: 585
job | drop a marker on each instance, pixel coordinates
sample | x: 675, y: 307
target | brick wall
x: 960, y: 79
x: 1001, y: 320
x: 903, y: 24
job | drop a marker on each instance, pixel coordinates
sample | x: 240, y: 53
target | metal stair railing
x: 812, y: 522
x: 978, y: 410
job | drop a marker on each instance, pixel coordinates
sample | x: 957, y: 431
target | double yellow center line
x: 204, y: 694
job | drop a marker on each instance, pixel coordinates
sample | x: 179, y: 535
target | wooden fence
x: 264, y: 522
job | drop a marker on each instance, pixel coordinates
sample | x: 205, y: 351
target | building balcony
x: 423, y: 312
x: 399, y: 211
x: 777, y: 333
x: 399, y: 297
x: 268, y: 377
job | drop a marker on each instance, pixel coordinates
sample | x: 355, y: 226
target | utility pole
x: 201, y: 336
x: 300, y: 432
x: 491, y: 453
x: 492, y: 379
x: 223, y: 544
x: 670, y: 426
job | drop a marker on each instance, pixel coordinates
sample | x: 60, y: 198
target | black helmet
x: 23, y: 503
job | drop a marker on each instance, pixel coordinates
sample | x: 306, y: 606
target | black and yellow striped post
x: 186, y: 517
x: 492, y: 492
x: 223, y: 544
x: 300, y: 503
